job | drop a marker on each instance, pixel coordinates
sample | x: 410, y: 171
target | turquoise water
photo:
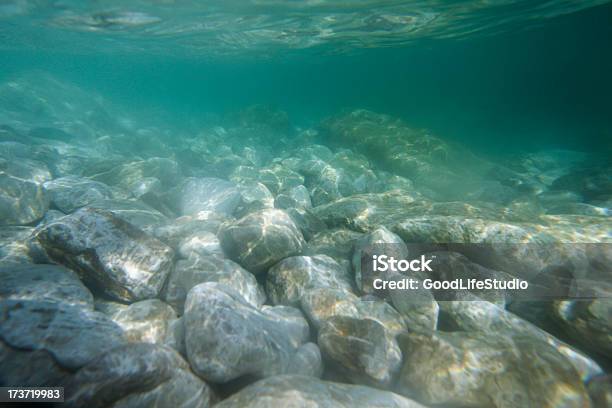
x: 191, y: 193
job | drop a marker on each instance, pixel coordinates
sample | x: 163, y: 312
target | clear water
x: 491, y: 118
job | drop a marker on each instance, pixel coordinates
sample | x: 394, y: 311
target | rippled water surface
x: 264, y: 26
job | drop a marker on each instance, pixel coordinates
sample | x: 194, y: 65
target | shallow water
x: 201, y: 185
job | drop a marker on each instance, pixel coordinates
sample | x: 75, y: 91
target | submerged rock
x: 260, y: 239
x: 15, y: 245
x: 137, y: 375
x: 43, y: 342
x: 110, y: 254
x: 146, y: 321
x: 322, y: 304
x: 69, y: 193
x: 199, y: 269
x: 292, y: 277
x: 362, y: 348
x: 207, y: 194
x: 48, y: 283
x: 227, y: 337
x: 487, y: 370
x: 588, y: 320
x: 474, y: 315
x: 303, y: 391
x: 21, y: 201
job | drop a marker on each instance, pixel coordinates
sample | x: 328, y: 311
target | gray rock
x: 14, y: 245
x: 600, y: 390
x: 362, y: 348
x: 336, y: 243
x: 308, y: 223
x: 295, y: 197
x: 303, y: 391
x: 41, y: 342
x: 129, y: 176
x: 199, y: 269
x: 201, y: 243
x: 291, y: 278
x: 259, y: 240
x: 482, y: 370
x: 588, y: 319
x: 227, y: 337
x: 324, y: 303
x: 146, y: 321
x: 49, y: 283
x: 133, y: 211
x: 137, y: 375
x: 207, y: 194
x: 474, y: 315
x: 381, y: 241
x: 69, y: 193
x: 176, y: 231
x: 108, y: 253
x: 21, y: 201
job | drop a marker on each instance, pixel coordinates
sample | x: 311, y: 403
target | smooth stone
x: 201, y: 243
x: 261, y: 239
x: 291, y: 278
x: 381, y: 241
x: 474, y: 315
x: 207, y: 194
x: 362, y: 348
x: 146, y: 321
x: 322, y: 304
x: 15, y: 245
x: 21, y: 201
x: 137, y: 375
x: 227, y: 337
x: 109, y: 254
x: 199, y: 269
x: 302, y: 391
x: 42, y: 342
x: 49, y: 283
x: 69, y: 193
x: 487, y: 370
x: 295, y: 197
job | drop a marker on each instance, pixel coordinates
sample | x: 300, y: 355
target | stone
x: 133, y: 211
x: 291, y: 278
x: 261, y: 239
x: 487, y: 370
x: 308, y: 223
x: 381, y: 241
x: 207, y: 194
x: 42, y: 342
x: 587, y: 319
x: 109, y: 254
x: 227, y: 337
x: 337, y: 243
x: 362, y: 348
x: 129, y: 176
x: 321, y: 304
x: 199, y: 269
x: 50, y: 283
x: 70, y: 193
x: 21, y: 201
x: 473, y: 315
x: 137, y: 375
x: 301, y: 391
x: 201, y: 243
x: 14, y: 245
x: 146, y: 321
x: 295, y: 197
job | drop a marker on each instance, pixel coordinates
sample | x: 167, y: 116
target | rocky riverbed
x: 142, y: 267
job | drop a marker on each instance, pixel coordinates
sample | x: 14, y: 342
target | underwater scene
x: 317, y: 203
